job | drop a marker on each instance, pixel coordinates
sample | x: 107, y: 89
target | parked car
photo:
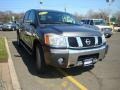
x: 99, y: 24
x: 18, y: 25
x: 116, y: 27
x: 9, y: 26
x: 1, y: 24
x: 55, y: 38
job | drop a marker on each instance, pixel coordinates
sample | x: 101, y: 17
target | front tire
x: 40, y: 64
x: 107, y: 36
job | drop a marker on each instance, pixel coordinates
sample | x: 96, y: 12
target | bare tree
x: 117, y: 15
x: 79, y: 17
x: 98, y: 14
x: 7, y: 16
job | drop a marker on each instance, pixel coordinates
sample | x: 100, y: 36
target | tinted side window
x: 32, y: 16
x: 26, y: 15
x: 91, y: 22
x: 83, y: 21
x: 87, y: 21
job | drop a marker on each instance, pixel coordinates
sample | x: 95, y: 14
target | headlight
x: 103, y: 38
x: 55, y: 40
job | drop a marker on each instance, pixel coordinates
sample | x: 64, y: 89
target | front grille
x: 99, y: 40
x: 84, y: 42
x: 88, y: 41
x: 72, y: 42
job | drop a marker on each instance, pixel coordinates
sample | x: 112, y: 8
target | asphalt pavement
x: 105, y: 75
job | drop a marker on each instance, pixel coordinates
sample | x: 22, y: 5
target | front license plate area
x: 88, y: 62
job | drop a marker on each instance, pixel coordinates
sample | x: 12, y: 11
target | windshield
x: 56, y: 18
x: 99, y: 22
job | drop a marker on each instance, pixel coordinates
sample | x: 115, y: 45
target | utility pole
x: 109, y: 5
x: 65, y: 8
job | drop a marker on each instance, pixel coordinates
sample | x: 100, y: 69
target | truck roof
x: 47, y: 10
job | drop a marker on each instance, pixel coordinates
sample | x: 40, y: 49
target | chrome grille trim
x: 96, y: 40
x: 79, y: 42
x: 67, y: 42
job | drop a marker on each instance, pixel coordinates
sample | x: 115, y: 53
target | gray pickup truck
x: 56, y: 38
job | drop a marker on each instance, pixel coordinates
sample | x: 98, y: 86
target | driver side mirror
x: 31, y: 22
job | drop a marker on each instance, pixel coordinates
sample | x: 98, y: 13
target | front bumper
x: 71, y: 56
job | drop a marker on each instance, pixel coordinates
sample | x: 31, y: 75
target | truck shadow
x: 50, y: 72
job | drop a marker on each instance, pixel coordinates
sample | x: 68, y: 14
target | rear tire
x: 40, y: 64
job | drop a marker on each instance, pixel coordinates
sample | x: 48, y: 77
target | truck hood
x: 70, y: 30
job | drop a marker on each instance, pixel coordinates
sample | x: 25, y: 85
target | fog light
x: 60, y: 61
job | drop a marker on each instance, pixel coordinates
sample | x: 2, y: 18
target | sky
x: 73, y: 6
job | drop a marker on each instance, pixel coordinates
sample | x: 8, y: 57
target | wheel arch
x: 35, y: 43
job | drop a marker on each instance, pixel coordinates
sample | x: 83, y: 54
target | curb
x: 14, y: 78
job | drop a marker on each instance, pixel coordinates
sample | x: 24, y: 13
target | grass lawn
x: 3, y: 51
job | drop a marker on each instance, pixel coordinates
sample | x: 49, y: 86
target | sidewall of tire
x: 42, y: 68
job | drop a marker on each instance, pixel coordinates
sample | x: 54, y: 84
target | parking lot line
x: 73, y: 80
